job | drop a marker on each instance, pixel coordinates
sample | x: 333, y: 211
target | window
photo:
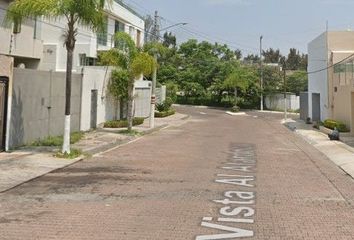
x: 103, y: 35
x: 131, y: 32
x: 87, y: 61
x: 119, y: 27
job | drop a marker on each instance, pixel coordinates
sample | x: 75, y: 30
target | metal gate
x: 304, y: 105
x: 94, y: 97
x: 316, y: 107
x: 4, y: 81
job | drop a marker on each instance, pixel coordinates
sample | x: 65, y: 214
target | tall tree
x: 169, y: 40
x: 132, y: 61
x: 251, y: 58
x: 272, y: 56
x: 239, y: 80
x: 89, y: 13
x: 294, y: 59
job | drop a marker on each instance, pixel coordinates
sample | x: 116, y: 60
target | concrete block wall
x: 38, y: 105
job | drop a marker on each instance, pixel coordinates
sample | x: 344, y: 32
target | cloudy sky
x: 239, y: 23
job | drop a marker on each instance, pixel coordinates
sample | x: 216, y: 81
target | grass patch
x: 73, y: 154
x: 130, y: 133
x: 58, y: 140
x: 165, y: 113
x: 123, y: 123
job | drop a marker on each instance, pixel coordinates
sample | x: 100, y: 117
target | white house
x: 39, y: 44
x: 326, y: 50
x: 119, y: 18
x: 24, y: 45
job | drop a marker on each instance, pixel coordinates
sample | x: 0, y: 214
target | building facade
x: 39, y: 43
x: 331, y: 84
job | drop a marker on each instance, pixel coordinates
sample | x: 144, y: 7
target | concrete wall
x: 97, y: 78
x: 142, y: 99
x: 318, y: 82
x: 276, y: 102
x: 161, y: 94
x: 38, y: 104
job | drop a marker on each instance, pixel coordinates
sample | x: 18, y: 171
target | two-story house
x: 39, y: 43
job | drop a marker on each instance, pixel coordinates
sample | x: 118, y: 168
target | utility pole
x: 261, y: 68
x: 156, y: 36
x: 285, y: 97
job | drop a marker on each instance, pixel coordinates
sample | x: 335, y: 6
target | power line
x: 333, y: 65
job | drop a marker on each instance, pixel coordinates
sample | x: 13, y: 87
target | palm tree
x: 133, y: 62
x: 89, y: 13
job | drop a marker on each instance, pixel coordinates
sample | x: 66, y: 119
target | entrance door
x: 316, y: 107
x: 94, y: 97
x: 3, y: 110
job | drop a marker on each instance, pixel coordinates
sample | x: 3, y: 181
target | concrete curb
x: 338, y: 152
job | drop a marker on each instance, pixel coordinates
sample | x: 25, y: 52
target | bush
x: 57, y: 141
x: 235, y: 109
x: 165, y: 113
x: 123, y: 123
x: 331, y: 124
x: 165, y: 106
x: 74, y: 153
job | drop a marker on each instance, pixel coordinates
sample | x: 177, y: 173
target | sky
x: 240, y: 23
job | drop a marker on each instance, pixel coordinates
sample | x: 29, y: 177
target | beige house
x: 331, y: 77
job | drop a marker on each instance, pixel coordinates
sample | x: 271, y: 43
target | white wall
x: 318, y: 82
x: 276, y: 102
x: 96, y: 78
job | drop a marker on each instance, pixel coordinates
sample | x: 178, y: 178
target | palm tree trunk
x: 70, y: 46
x: 130, y: 106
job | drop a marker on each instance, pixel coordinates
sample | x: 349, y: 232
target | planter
x: 328, y: 131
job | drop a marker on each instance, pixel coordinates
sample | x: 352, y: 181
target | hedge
x: 123, y: 123
x: 331, y: 124
x: 165, y: 113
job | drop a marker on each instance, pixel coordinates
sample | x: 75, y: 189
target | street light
x: 174, y: 25
x: 154, y: 75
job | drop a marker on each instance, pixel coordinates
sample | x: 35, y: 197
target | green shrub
x: 123, y: 123
x: 165, y: 106
x: 74, y: 153
x: 331, y: 124
x: 235, y: 109
x: 165, y: 113
x: 57, y: 141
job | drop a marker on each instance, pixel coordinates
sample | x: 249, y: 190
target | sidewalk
x: 24, y: 165
x: 337, y: 151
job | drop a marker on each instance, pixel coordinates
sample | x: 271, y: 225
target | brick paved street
x: 163, y: 185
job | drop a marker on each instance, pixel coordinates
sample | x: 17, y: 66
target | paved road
x: 215, y: 177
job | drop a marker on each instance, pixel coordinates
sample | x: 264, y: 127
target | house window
x: 87, y: 61
x: 132, y: 32
x: 119, y: 27
x: 102, y: 36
